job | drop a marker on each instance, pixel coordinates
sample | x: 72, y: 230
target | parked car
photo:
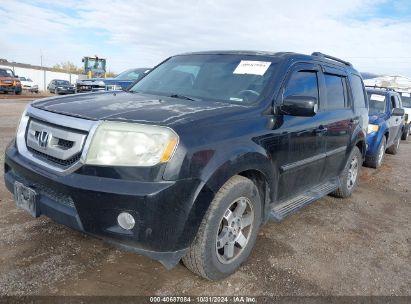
x: 406, y: 103
x: 58, y: 86
x: 191, y: 160
x: 386, y: 125
x: 29, y: 85
x: 9, y: 82
x: 120, y: 82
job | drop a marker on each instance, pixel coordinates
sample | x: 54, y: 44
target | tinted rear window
x: 358, y: 92
x: 334, y: 91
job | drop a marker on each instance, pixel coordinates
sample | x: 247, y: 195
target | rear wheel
x: 228, y: 231
x: 395, y: 147
x: 406, y: 132
x: 375, y: 161
x: 350, y: 174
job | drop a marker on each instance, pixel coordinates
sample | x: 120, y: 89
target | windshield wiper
x: 184, y: 97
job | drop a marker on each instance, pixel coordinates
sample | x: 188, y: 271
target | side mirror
x: 398, y: 112
x: 299, y: 106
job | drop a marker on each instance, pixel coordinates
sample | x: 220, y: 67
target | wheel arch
x: 253, y: 165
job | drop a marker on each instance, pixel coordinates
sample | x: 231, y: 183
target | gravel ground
x: 356, y: 246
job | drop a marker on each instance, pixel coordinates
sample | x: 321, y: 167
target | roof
x: 280, y: 55
x: 384, y: 91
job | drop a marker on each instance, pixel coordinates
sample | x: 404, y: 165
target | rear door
x: 394, y: 122
x: 340, y: 119
x: 306, y: 145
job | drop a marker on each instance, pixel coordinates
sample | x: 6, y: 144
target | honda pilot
x: 191, y: 160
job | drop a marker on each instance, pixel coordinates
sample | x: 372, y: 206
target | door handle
x: 320, y: 130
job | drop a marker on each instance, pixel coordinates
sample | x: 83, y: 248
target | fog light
x: 126, y: 220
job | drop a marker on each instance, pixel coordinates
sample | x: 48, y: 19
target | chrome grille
x: 60, y: 162
x: 54, y: 141
x: 54, y: 144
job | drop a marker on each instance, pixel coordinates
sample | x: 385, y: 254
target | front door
x: 394, y: 122
x: 306, y: 145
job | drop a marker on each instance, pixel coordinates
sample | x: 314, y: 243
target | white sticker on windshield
x: 377, y: 97
x: 252, y: 67
x: 406, y: 94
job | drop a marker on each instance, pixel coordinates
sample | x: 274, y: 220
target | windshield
x: 62, y: 82
x: 227, y: 78
x: 377, y: 103
x: 406, y: 100
x: 22, y: 78
x: 130, y: 74
x: 6, y: 73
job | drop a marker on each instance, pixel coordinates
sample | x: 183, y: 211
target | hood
x: 376, y: 118
x: 92, y: 81
x: 126, y: 106
x: 117, y: 81
x: 64, y: 85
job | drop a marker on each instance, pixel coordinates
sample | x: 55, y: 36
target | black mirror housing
x: 299, y: 106
x: 398, y: 112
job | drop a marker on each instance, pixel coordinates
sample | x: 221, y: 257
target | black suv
x: 195, y: 157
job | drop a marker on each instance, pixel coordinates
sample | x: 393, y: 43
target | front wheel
x: 228, y: 231
x: 375, y: 161
x: 350, y: 174
x: 406, y: 132
x: 395, y: 147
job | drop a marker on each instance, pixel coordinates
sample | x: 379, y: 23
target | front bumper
x: 162, y: 210
x: 6, y: 88
x: 66, y: 91
x: 89, y: 88
x: 373, y: 142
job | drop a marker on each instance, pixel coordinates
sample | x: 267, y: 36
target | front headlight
x: 372, y: 128
x: 131, y: 144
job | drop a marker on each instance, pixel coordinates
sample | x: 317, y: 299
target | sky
x: 375, y: 35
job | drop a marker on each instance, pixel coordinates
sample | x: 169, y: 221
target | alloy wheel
x: 381, y: 154
x: 234, y: 230
x: 352, y: 173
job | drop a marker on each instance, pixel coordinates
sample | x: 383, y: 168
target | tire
x: 375, y: 161
x: 17, y: 92
x: 203, y: 256
x: 405, y: 133
x: 395, y: 147
x: 348, y: 182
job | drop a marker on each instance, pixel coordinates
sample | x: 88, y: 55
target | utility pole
x: 44, y: 72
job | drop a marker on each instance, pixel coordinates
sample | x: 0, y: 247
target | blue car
x: 385, y: 125
x: 120, y: 82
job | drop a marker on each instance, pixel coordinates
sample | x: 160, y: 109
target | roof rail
x: 319, y: 54
x: 378, y: 87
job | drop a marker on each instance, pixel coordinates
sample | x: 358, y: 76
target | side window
x: 302, y: 83
x: 358, y: 93
x: 398, y: 102
x: 335, y: 91
x: 392, y: 102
